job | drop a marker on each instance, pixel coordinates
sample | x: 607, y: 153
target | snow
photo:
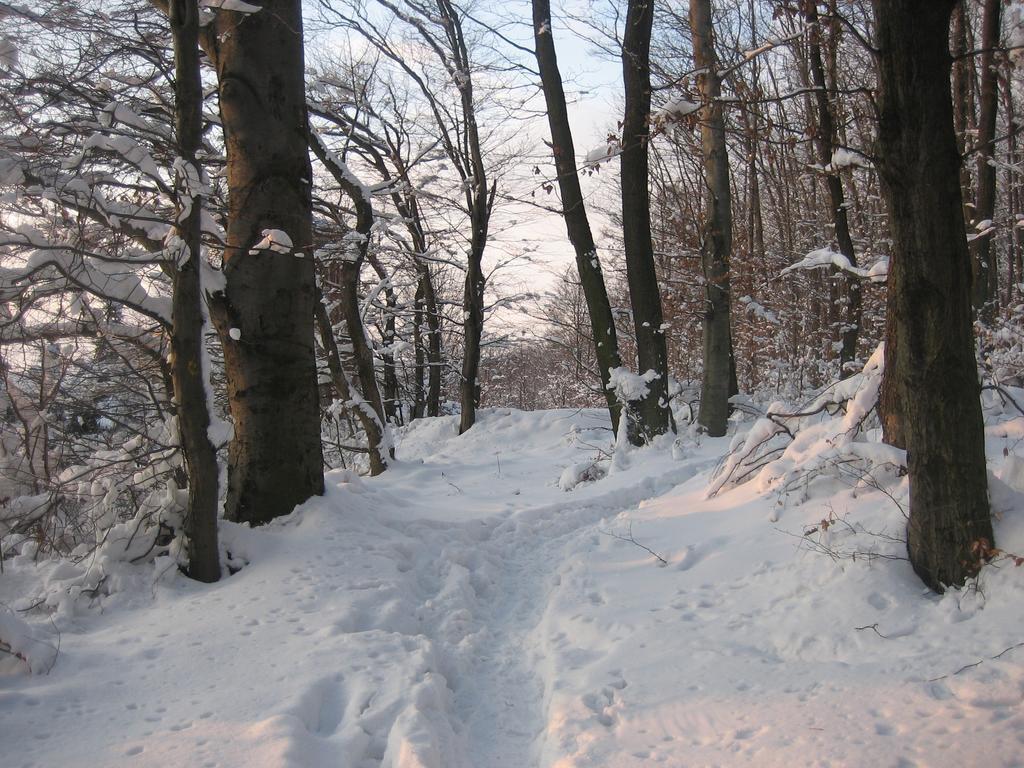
x: 238, y: 6
x: 844, y: 158
x: 18, y: 638
x: 826, y: 257
x: 677, y: 108
x: 463, y: 610
x: 601, y: 153
x: 276, y: 240
x: 759, y: 310
x: 629, y: 386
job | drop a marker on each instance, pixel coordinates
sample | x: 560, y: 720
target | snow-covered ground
x: 463, y: 611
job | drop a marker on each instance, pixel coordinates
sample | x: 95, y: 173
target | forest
x: 434, y: 348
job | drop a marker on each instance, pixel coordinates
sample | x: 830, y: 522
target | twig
x: 979, y: 662
x: 453, y: 485
x: 629, y: 539
x: 872, y: 627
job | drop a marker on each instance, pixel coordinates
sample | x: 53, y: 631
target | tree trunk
x: 649, y: 415
x: 932, y: 361
x: 716, y: 240
x: 434, y: 358
x: 190, y: 371
x: 825, y: 144
x: 389, y: 391
x: 574, y: 210
x: 265, y: 316
x: 473, y: 327
x: 419, y: 406
x: 479, y: 202
x: 963, y: 108
x: 368, y: 418
x: 984, y: 267
x: 348, y: 272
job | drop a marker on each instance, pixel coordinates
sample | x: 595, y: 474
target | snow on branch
x: 786, y: 447
x: 111, y: 280
x: 20, y: 639
x: 826, y: 257
x: 238, y: 6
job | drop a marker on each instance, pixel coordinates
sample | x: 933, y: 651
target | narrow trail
x: 491, y: 583
x: 502, y: 705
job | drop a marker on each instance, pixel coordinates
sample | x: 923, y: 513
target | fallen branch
x: 978, y: 663
x: 630, y: 540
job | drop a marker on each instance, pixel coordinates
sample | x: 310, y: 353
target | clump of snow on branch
x: 845, y: 158
x: 276, y: 240
x: 602, y: 153
x: 759, y: 310
x: 238, y: 6
x: 26, y: 642
x: 677, y: 108
x: 826, y: 257
x: 628, y: 386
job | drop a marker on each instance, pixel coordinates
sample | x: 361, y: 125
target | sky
x: 593, y: 83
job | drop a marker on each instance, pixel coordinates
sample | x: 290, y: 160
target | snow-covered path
x: 462, y: 611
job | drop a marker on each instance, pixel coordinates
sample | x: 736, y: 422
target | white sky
x: 592, y: 84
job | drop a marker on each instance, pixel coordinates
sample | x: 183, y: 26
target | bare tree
x: 716, y: 245
x: 574, y: 209
x: 826, y: 143
x: 650, y: 415
x: 190, y: 367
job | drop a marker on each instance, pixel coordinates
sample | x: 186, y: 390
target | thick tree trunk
x: 984, y: 271
x: 651, y: 413
x: 932, y: 361
x: 825, y: 144
x: 574, y: 210
x: 716, y: 242
x: 265, y: 316
x: 189, y: 373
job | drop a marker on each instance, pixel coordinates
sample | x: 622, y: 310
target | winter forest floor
x: 463, y: 611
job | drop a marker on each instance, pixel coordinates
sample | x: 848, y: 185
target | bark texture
x: 650, y: 415
x: 577, y: 223
x: 187, y: 342
x: 930, y: 355
x: 275, y: 458
x: 716, y: 242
